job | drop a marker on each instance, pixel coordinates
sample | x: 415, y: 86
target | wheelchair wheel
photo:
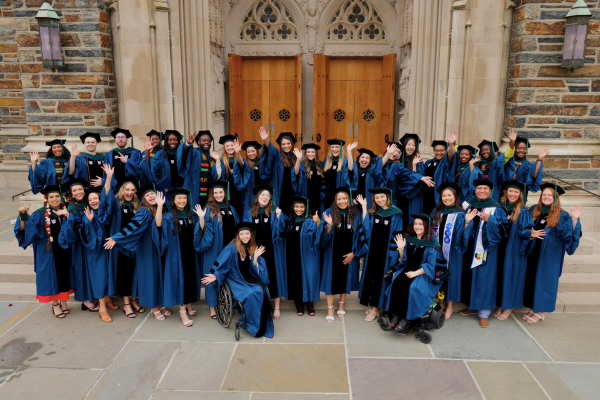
x: 237, y: 333
x: 225, y: 305
x: 425, y: 337
x: 441, y: 319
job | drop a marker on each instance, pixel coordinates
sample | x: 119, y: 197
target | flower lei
x: 47, y: 222
x: 441, y: 295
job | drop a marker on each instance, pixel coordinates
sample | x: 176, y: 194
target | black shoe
x: 59, y: 315
x: 311, y: 308
x: 392, y: 325
x: 402, y: 327
x: 84, y: 308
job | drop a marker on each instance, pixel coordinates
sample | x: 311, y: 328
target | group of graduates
x: 275, y: 221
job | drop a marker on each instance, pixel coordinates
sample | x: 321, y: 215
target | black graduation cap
x: 220, y: 184
x: 204, y: 133
x: 367, y: 151
x: 227, y: 138
x: 439, y: 143
x: 515, y: 185
x: 287, y: 135
x: 311, y: 146
x: 148, y: 187
x: 128, y: 178
x: 179, y: 190
x: 552, y: 186
x: 251, y: 143
x: 153, y: 133
x: 493, y: 146
x: 472, y: 149
x: 259, y: 188
x: 423, y: 217
x: 244, y: 226
x: 398, y: 145
x: 523, y: 140
x: 380, y: 190
x: 300, y: 200
x: 450, y: 185
x: 119, y: 130
x: 96, y: 189
x: 173, y: 132
x: 344, y: 190
x: 56, y: 141
x: 52, y: 189
x: 339, y: 142
x: 90, y: 134
x: 75, y: 182
x: 407, y: 136
x: 483, y: 182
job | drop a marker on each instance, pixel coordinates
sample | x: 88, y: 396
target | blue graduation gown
x: 143, y: 170
x: 300, y: 185
x: 46, y: 283
x: 272, y: 169
x: 209, y: 243
x: 341, y: 178
x: 465, y: 179
x: 310, y: 259
x: 373, y: 179
x: 250, y: 295
x: 525, y: 173
x: 498, y: 173
x: 278, y: 230
x: 442, y: 174
x: 141, y: 236
x: 44, y: 175
x: 191, y: 171
x: 359, y: 248
x: 515, y: 261
x: 457, y: 249
x: 81, y: 169
x: 401, y: 180
x: 170, y: 250
x: 131, y: 166
x: 391, y: 256
x: 244, y: 180
x: 484, y: 282
x: 422, y: 289
x: 557, y: 241
x: 414, y: 194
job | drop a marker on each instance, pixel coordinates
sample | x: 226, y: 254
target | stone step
x: 11, y: 291
x: 18, y: 273
x: 11, y: 253
x: 573, y: 282
x: 588, y: 246
x: 577, y: 259
x: 580, y: 301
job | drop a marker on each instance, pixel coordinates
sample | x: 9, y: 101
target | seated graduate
x: 248, y: 177
x: 555, y: 232
x: 269, y: 231
x: 50, y: 172
x: 335, y: 168
x: 308, y: 178
x: 52, y: 263
x: 485, y: 227
x: 438, y: 169
x: 141, y: 236
x: 125, y: 160
x: 367, y: 173
x: 116, y: 212
x: 526, y: 172
x: 182, y: 263
x: 231, y: 156
x: 162, y: 166
x: 213, y: 232
x: 86, y: 235
x: 384, y: 219
x: 512, y: 260
x: 199, y: 167
x: 86, y: 165
x: 343, y: 242
x: 413, y: 289
x: 303, y: 257
x: 243, y: 267
x: 448, y: 229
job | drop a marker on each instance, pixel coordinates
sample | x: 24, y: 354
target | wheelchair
x: 225, y: 309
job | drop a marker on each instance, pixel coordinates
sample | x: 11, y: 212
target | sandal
x: 63, y: 310
x: 192, y: 313
x: 372, y: 316
x: 105, y: 316
x: 504, y: 317
x: 498, y: 312
x: 130, y: 314
x: 310, y: 307
x: 189, y: 322
x: 213, y: 316
x: 278, y: 313
x: 111, y: 305
x: 61, y: 315
x: 528, y: 315
x: 165, y: 311
x: 158, y: 315
x: 140, y: 310
x: 340, y: 313
x: 329, y: 318
x: 533, y: 321
x: 94, y: 308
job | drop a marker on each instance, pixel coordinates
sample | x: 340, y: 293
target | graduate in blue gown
x: 269, y: 230
x: 302, y: 256
x: 214, y: 231
x: 86, y: 165
x: 382, y: 224
x: 199, y: 166
x: 308, y: 178
x: 410, y: 200
x: 343, y: 242
x: 276, y: 166
x: 365, y: 174
x: 162, y: 166
x: 526, y: 172
x: 152, y: 147
x: 448, y: 220
x: 50, y: 261
x: 413, y: 289
x: 182, y: 263
x: 335, y: 168
x: 142, y: 237
x: 460, y: 171
x: 512, y: 258
x: 555, y: 232
x: 486, y: 226
x: 51, y: 170
x: 248, y: 177
x: 230, y: 157
x: 125, y: 160
x: 116, y: 211
x: 241, y: 264
x: 438, y: 169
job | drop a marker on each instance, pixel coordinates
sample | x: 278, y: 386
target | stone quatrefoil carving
x: 268, y: 21
x: 356, y: 21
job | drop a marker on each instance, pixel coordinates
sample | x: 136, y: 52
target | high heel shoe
x: 340, y: 313
x: 165, y: 311
x: 105, y: 316
x: 130, y: 314
x: 84, y: 308
x: 330, y: 318
x: 158, y: 315
x: 59, y: 316
x: 111, y: 305
x: 189, y: 322
x: 63, y: 310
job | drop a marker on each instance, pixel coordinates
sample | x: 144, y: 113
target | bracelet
x: 539, y: 160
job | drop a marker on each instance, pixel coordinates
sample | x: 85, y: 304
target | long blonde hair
x: 121, y: 196
x: 309, y: 168
x: 514, y: 215
x: 239, y: 246
x: 329, y: 163
x: 225, y: 158
x: 553, y: 215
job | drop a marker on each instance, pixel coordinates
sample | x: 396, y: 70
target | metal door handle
x: 267, y: 127
x: 356, y: 129
x: 350, y: 130
x: 272, y: 128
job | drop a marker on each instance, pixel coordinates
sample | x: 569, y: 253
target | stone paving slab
x: 187, y: 395
x: 296, y: 396
x: 13, y: 312
x: 198, y: 366
x: 568, y: 337
x: 5, y: 373
x: 568, y: 380
x: 505, y: 380
x: 291, y: 328
x: 366, y: 339
x: 49, y: 383
x: 384, y: 379
x: 41, y: 340
x: 135, y: 372
x: 461, y: 337
x: 288, y: 368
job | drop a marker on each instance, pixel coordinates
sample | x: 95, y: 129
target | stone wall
x: 547, y: 103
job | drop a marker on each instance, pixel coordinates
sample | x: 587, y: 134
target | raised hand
x: 512, y: 135
x: 484, y: 216
x: 215, y: 155
x: 264, y: 135
x: 191, y: 139
x: 543, y: 153
x: 108, y: 170
x: 474, y: 160
x: 236, y: 146
x: 62, y: 212
x: 34, y: 156
x: 361, y: 200
x: 148, y: 145
x: 89, y: 214
x: 199, y: 211
x: 391, y: 148
x: 160, y: 198
x: 259, y: 252
x: 352, y: 146
x: 297, y: 153
x: 328, y: 219
x: 110, y: 243
x: 428, y: 181
x: 418, y: 159
x: 74, y: 151
x: 278, y: 212
x: 470, y: 215
x: 400, y: 241
x: 96, y: 182
x: 23, y: 209
x: 122, y: 157
x: 577, y: 212
x: 316, y: 218
x: 538, y: 234
x: 453, y: 138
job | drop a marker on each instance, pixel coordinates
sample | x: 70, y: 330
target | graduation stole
x: 392, y: 210
x: 205, y: 165
x: 74, y: 207
x: 127, y: 150
x: 447, y: 234
x: 93, y: 157
x: 415, y: 241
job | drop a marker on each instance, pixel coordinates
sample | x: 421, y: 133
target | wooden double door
x: 353, y: 100
x: 265, y: 92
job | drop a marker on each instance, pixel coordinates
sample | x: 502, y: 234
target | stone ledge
x: 561, y: 147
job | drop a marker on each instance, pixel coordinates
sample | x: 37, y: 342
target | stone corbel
x: 460, y: 4
x: 510, y: 4
x: 161, y: 5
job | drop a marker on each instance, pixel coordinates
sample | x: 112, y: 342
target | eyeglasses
x: 120, y: 137
x: 266, y: 196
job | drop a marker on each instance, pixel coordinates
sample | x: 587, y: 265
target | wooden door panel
x: 388, y: 95
x: 368, y: 112
x: 269, y: 69
x: 236, y: 118
x: 341, y: 112
x: 283, y: 108
x: 298, y: 89
x: 255, y: 97
x: 355, y: 69
x: 320, y: 101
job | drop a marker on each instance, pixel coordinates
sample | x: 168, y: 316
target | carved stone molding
x: 161, y: 5
x: 217, y: 23
x: 356, y: 21
x: 268, y: 21
x: 510, y: 4
x: 459, y: 4
x: 267, y: 53
x: 406, y: 25
x: 356, y: 53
